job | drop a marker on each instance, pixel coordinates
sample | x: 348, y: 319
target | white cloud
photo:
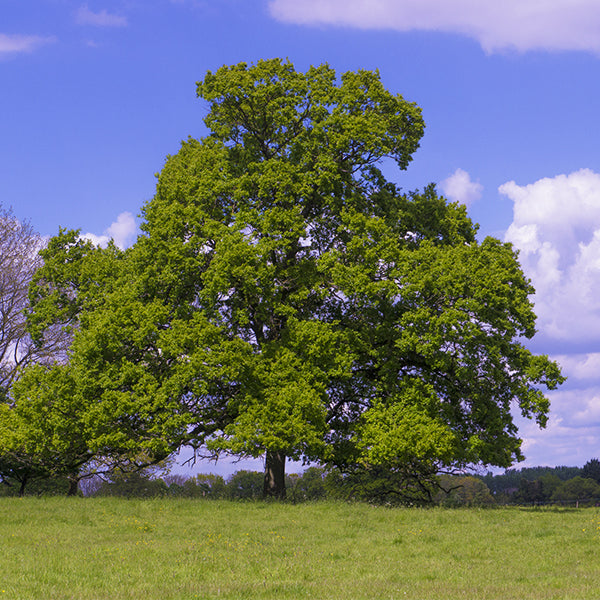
x: 571, y: 436
x: 459, y: 188
x: 122, y: 232
x: 508, y: 24
x: 556, y: 227
x: 101, y: 19
x: 580, y: 367
x: 16, y: 44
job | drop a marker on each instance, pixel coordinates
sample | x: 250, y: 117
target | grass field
x: 112, y: 549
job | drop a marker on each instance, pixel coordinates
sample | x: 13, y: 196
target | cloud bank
x: 123, y: 232
x: 520, y: 25
x: 556, y: 228
x: 459, y: 188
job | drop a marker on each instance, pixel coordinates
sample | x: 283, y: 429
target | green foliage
x: 412, y: 484
x: 372, y: 485
x: 530, y: 492
x: 42, y: 486
x: 43, y: 433
x: 578, y: 489
x: 287, y: 299
x: 82, y: 289
x: 529, y: 485
x: 539, y: 490
x: 458, y: 491
x: 245, y: 485
x: 591, y: 470
x: 310, y: 485
x: 402, y: 431
x: 205, y: 485
x: 132, y: 485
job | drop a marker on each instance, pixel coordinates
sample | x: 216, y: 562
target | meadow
x: 168, y: 549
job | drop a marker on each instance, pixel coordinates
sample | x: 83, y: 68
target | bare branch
x: 19, y: 260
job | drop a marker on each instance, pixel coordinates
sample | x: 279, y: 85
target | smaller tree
x: 550, y: 482
x: 134, y: 484
x: 578, y: 490
x: 530, y: 492
x: 311, y: 485
x: 43, y: 429
x: 246, y: 485
x: 207, y: 485
x: 591, y: 470
x: 53, y: 486
x: 463, y: 491
x: 27, y: 407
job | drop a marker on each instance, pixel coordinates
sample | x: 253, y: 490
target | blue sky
x: 94, y: 95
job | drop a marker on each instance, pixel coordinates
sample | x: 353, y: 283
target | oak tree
x: 286, y: 300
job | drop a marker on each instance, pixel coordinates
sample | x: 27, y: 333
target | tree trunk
x: 274, y: 486
x: 73, y: 487
x: 23, y: 484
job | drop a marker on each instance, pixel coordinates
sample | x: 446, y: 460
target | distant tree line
x: 572, y: 486
x: 314, y: 484
x: 547, y: 485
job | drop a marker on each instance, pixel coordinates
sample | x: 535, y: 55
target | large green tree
x: 285, y: 300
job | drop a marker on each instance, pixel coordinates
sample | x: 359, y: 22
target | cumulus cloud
x: 511, y: 24
x: 459, y: 188
x: 100, y: 19
x: 571, y: 436
x: 556, y: 227
x: 122, y: 232
x: 17, y: 44
x: 581, y: 368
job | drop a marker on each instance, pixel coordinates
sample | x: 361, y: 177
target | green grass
x: 97, y: 549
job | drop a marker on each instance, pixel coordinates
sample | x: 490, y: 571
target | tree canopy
x: 286, y: 300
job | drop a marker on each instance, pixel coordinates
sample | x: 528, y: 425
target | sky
x: 94, y: 95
